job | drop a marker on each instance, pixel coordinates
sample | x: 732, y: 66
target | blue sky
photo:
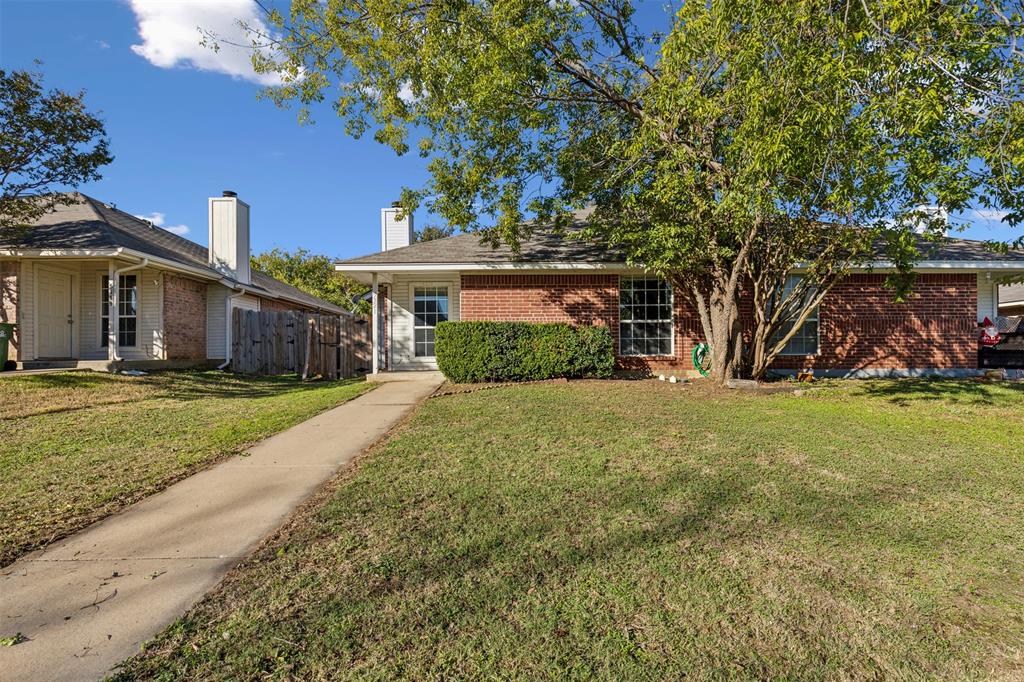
x: 184, y: 124
x: 181, y: 134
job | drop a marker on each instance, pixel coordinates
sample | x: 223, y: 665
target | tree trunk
x: 718, y: 307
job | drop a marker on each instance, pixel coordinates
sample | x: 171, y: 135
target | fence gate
x: 268, y: 342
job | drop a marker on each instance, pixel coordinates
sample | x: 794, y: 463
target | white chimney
x: 394, y: 232
x: 229, y: 236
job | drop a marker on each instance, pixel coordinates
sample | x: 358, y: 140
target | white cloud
x: 993, y: 214
x: 158, y: 219
x: 171, y: 35
x: 406, y: 94
x: 103, y: 45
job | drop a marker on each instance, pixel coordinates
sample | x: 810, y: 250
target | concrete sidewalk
x: 88, y: 602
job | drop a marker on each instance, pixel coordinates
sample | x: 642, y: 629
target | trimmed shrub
x: 469, y: 352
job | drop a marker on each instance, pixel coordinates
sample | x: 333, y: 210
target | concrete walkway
x: 88, y: 602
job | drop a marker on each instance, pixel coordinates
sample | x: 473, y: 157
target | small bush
x: 469, y: 352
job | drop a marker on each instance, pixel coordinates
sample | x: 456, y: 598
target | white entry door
x: 53, y: 328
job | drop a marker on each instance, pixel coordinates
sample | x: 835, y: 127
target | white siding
x: 988, y: 300
x: 26, y: 310
x: 216, y: 318
x: 215, y: 321
x: 395, y: 233
x: 400, y: 317
x: 89, y: 331
x: 86, y: 314
x: 229, y: 236
x: 246, y: 302
x: 149, y: 327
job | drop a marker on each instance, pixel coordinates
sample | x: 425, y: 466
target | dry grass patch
x: 77, y: 446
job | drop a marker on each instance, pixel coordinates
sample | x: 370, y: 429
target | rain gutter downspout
x: 115, y: 285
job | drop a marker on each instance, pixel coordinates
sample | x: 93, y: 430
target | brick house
x: 857, y: 330
x: 172, y: 302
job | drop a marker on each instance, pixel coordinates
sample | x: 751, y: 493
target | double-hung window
x: 805, y: 340
x: 645, y: 316
x: 127, y: 311
x: 430, y: 306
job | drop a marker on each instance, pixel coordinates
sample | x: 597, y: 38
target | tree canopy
x: 724, y: 146
x: 431, y: 232
x: 313, y: 274
x: 49, y: 142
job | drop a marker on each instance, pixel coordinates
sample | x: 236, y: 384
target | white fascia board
x: 61, y: 253
x: 443, y: 267
x: 201, y: 273
x: 108, y: 253
x: 954, y: 265
x: 447, y: 267
x: 933, y: 266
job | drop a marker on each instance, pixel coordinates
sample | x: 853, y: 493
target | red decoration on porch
x: 989, y: 334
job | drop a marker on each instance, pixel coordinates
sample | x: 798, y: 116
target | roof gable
x: 91, y: 225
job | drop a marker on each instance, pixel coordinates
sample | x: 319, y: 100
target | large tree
x: 315, y: 275
x: 49, y: 142
x: 725, y: 145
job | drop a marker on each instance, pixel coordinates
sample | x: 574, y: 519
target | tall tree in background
x: 723, y: 146
x: 431, y: 232
x: 315, y: 275
x: 49, y: 142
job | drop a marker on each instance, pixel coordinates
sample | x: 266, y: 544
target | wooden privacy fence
x: 311, y: 344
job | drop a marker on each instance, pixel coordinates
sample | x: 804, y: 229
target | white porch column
x: 375, y: 323
x: 113, y: 291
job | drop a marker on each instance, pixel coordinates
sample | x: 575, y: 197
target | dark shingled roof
x: 541, y: 247
x: 545, y: 247
x: 467, y: 248
x: 93, y: 225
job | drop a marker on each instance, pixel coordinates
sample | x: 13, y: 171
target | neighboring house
x: 1011, y: 299
x: 173, y: 300
x: 857, y: 331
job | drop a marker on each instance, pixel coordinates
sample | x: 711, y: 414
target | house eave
x: 922, y: 266
x: 449, y: 267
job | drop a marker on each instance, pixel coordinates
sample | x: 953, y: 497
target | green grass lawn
x: 77, y: 446
x: 638, y: 530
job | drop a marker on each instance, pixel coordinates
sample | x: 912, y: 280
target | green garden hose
x: 702, y: 359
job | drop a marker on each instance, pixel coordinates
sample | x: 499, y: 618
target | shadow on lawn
x: 645, y: 522
x: 969, y: 391
x: 191, y: 385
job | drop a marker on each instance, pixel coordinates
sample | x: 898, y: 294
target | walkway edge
x: 90, y: 600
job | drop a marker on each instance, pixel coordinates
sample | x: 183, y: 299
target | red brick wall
x: 860, y: 326
x: 9, y: 301
x: 184, y: 318
x: 577, y: 299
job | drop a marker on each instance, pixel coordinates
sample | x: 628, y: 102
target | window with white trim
x: 805, y: 340
x: 430, y: 306
x: 127, y: 311
x: 645, y: 316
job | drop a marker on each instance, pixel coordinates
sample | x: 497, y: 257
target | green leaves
x: 313, y: 274
x: 48, y: 142
x: 690, y: 131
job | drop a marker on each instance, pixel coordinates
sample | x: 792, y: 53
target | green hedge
x: 469, y: 352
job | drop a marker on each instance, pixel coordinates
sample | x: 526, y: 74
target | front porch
x: 68, y: 316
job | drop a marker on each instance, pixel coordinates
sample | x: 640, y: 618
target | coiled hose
x: 702, y: 359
